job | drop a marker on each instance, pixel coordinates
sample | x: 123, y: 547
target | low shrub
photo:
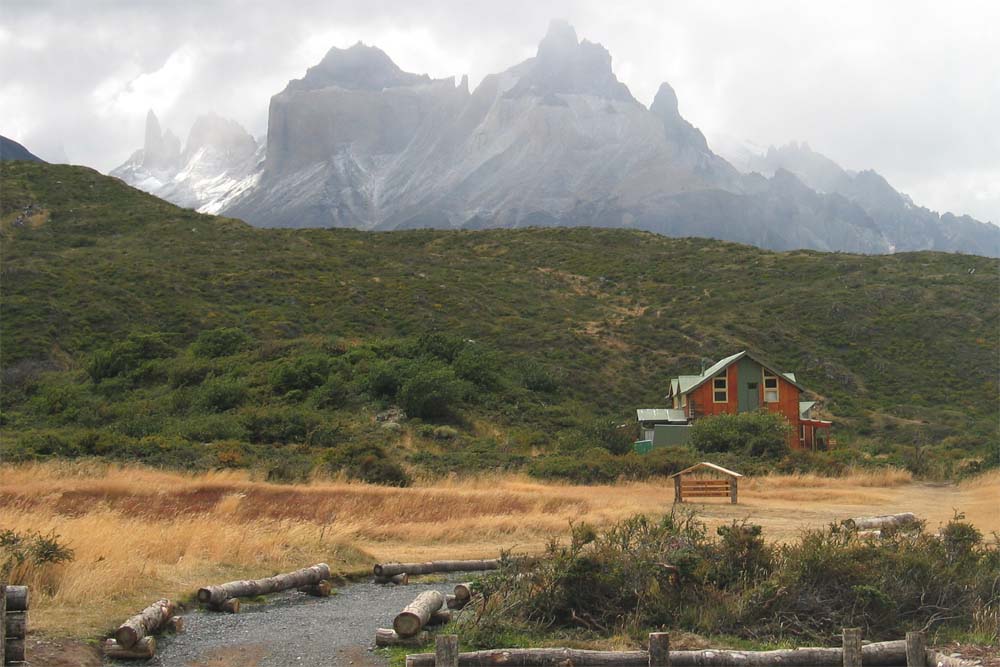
x: 222, y: 342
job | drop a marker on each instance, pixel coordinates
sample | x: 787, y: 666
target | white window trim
x: 777, y: 385
x: 725, y: 379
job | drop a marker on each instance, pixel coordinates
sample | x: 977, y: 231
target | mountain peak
x: 565, y: 65
x: 358, y: 67
x: 560, y: 39
x: 665, y: 102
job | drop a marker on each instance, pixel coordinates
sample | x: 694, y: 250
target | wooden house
x: 739, y: 383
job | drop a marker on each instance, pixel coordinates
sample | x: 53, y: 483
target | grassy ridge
x: 902, y: 349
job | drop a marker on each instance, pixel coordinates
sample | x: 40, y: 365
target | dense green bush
x: 431, y: 391
x: 302, y: 373
x: 220, y: 395
x: 128, y: 355
x: 478, y: 365
x: 756, y: 434
x: 221, y: 342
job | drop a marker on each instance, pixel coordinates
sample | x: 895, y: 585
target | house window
x: 770, y: 388
x: 720, y: 389
x: 802, y: 433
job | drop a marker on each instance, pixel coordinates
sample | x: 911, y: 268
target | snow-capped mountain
x: 219, y: 161
x: 554, y: 140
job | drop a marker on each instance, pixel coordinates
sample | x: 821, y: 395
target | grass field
x: 140, y: 533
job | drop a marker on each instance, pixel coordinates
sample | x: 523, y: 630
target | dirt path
x: 292, y: 629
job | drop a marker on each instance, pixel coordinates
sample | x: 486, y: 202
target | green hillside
x: 135, y: 329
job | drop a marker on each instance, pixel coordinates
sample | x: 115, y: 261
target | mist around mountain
x: 556, y: 140
x: 11, y: 150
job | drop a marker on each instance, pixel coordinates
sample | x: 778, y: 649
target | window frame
x: 765, y: 375
x: 724, y: 390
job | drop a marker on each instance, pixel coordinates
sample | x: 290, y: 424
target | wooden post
x: 852, y: 647
x: 916, y: 649
x: 659, y: 649
x: 733, y: 489
x: 678, y: 496
x: 446, y: 651
x: 3, y: 614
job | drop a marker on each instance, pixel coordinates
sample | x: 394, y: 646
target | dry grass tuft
x: 141, y: 533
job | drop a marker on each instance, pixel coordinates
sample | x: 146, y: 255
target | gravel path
x: 292, y: 629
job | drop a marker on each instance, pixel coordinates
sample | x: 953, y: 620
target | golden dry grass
x: 140, y: 533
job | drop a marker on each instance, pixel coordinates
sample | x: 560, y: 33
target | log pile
x: 225, y: 597
x: 13, y: 624
x: 385, y: 570
x: 873, y: 523
x: 134, y: 638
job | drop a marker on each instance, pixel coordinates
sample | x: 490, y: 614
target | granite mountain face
x: 556, y: 140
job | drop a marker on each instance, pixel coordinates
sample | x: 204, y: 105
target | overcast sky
x: 908, y: 88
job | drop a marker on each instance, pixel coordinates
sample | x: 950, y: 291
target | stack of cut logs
x: 313, y: 580
x: 426, y: 610
x: 13, y: 624
x: 134, y: 638
x: 399, y: 573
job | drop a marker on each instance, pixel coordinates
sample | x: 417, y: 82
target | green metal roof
x: 804, y: 408
x: 683, y: 384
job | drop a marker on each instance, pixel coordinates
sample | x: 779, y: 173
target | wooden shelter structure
x: 687, y: 486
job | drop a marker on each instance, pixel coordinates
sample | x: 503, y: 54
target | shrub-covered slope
x: 117, y: 311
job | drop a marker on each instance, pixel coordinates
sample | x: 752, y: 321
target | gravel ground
x: 292, y: 629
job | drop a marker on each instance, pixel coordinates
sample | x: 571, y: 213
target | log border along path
x: 292, y: 628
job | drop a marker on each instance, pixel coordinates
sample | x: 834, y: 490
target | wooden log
x: 734, y: 491
x: 388, y: 637
x: 176, y: 624
x: 916, y: 649
x: 430, y: 567
x: 16, y: 624
x: 880, y: 522
x: 230, y: 606
x: 678, y: 492
x: 14, y: 650
x: 852, y: 647
x: 937, y: 659
x: 879, y: 654
x: 659, y: 649
x: 3, y: 630
x: 308, y: 576
x: 146, y: 622
x: 397, y: 579
x: 17, y: 598
x: 320, y: 590
x: 440, y: 617
x: 446, y: 651
x: 463, y: 591
x: 452, y: 602
x: 416, y: 614
x: 144, y: 649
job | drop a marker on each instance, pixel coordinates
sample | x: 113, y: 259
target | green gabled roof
x: 804, y: 408
x: 683, y: 384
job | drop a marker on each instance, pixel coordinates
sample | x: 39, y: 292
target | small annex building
x: 739, y: 383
